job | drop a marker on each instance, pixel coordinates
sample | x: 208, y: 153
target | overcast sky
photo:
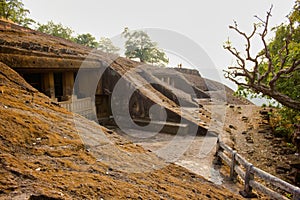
x: 203, y: 22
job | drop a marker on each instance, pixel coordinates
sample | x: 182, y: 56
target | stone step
x: 168, y: 127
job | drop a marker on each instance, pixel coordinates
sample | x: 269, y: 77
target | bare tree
x: 248, y: 71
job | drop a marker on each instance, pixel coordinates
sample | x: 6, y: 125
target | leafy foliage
x: 14, y: 10
x: 286, y: 46
x: 283, y: 122
x: 139, y: 45
x: 87, y: 40
x: 57, y: 30
x: 106, y: 45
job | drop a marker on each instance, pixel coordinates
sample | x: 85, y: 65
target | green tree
x: 14, y: 10
x: 57, y: 30
x: 106, y: 45
x: 87, y: 40
x: 139, y: 45
x: 284, y: 51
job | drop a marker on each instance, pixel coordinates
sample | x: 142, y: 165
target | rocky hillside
x: 42, y: 155
x: 23, y: 49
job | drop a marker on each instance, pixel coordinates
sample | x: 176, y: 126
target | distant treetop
x: 139, y: 45
x: 57, y: 30
x: 87, y: 40
x: 106, y: 45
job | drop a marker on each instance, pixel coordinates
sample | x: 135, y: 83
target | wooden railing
x: 239, y: 166
x: 82, y: 106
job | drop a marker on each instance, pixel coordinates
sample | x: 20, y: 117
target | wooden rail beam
x: 265, y: 190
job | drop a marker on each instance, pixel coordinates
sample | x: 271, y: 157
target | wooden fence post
x: 247, y: 192
x: 233, y: 174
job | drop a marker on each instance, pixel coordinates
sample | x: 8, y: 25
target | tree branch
x: 263, y: 80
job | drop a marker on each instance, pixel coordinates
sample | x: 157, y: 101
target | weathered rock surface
x: 44, y: 157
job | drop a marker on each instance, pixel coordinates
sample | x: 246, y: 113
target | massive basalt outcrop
x: 31, y: 52
x: 50, y: 153
x: 43, y: 155
x: 28, y: 51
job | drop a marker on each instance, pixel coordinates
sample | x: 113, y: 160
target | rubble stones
x: 249, y: 139
x: 282, y: 169
x: 232, y: 127
x: 244, y: 132
x: 244, y: 119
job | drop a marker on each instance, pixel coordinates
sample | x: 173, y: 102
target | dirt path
x: 248, y: 132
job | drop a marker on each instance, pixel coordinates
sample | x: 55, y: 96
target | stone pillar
x: 99, y: 90
x: 172, y: 82
x: 68, y: 84
x: 168, y: 80
x: 48, y: 85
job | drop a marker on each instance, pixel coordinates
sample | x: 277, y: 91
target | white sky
x: 204, y: 22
